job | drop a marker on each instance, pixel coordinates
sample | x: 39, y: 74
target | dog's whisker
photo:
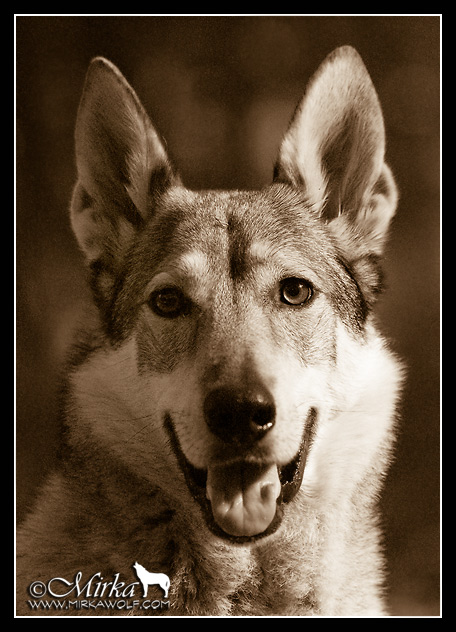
x: 148, y: 426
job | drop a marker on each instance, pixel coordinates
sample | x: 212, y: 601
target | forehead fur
x: 232, y: 230
x: 226, y: 224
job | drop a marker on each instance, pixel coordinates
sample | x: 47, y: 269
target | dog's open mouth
x: 244, y: 501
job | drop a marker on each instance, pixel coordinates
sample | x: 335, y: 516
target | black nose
x: 240, y: 415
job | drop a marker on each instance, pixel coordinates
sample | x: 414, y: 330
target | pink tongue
x: 243, y: 497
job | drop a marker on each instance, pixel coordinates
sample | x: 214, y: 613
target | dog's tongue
x: 243, y: 497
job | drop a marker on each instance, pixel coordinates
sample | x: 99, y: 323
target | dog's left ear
x: 121, y: 162
x: 334, y: 150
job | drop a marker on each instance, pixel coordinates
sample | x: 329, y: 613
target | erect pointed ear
x: 335, y: 145
x: 121, y: 164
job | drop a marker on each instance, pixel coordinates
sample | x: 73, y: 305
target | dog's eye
x: 169, y: 302
x: 295, y: 291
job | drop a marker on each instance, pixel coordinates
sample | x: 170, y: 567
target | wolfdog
x: 229, y: 414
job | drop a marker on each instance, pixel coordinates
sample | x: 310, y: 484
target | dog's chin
x: 289, y: 476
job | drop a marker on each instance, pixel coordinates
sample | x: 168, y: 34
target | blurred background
x: 221, y: 91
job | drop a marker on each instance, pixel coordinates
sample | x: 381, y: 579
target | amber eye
x: 169, y: 302
x: 294, y: 291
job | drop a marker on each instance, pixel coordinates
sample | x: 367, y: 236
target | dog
x: 229, y: 414
x: 151, y: 579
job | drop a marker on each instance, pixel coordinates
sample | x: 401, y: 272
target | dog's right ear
x: 334, y: 150
x: 121, y: 165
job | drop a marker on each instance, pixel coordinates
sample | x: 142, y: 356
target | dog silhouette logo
x: 151, y: 579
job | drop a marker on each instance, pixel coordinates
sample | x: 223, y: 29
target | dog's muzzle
x: 243, y: 500
x: 242, y: 495
x: 240, y: 416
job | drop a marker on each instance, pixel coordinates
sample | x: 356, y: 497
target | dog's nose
x: 240, y: 415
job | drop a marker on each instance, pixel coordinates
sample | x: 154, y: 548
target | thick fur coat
x: 229, y: 416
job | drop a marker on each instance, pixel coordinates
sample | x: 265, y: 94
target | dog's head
x: 227, y: 310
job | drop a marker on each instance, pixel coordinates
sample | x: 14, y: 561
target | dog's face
x: 227, y: 310
x: 235, y: 327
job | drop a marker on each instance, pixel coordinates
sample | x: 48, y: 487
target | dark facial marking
x: 238, y: 243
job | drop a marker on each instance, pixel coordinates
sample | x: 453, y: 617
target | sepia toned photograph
x: 227, y: 315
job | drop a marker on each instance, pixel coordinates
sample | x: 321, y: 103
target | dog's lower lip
x: 290, y: 476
